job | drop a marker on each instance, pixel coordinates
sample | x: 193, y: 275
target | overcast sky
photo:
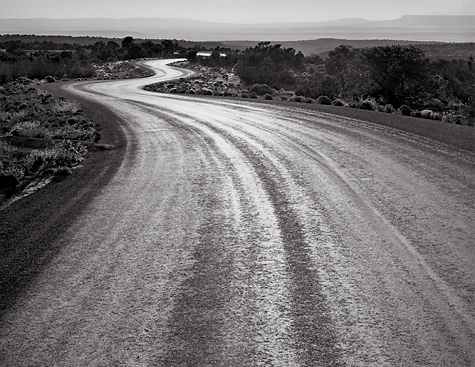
x: 234, y: 11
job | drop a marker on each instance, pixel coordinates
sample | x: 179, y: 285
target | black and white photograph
x: 237, y: 183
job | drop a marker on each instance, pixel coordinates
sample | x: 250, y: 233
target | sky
x: 234, y: 11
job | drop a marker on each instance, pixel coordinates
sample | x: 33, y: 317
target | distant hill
x: 413, y: 28
x: 429, y: 21
x: 321, y: 47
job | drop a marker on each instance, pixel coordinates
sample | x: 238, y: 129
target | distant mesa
x: 459, y: 28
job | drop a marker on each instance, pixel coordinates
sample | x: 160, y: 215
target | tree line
x: 37, y: 60
x: 393, y: 75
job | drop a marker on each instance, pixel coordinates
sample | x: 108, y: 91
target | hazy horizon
x: 233, y: 12
x: 410, y: 27
x: 350, y: 20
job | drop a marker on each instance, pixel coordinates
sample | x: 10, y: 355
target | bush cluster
x: 369, y: 78
x: 40, y: 135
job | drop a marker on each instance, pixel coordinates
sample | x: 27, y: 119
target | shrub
x: 368, y: 105
x: 298, y: 99
x: 30, y: 129
x: 261, y: 89
x: 8, y: 180
x: 338, y: 102
x: 64, y: 106
x: 10, y: 161
x: 206, y: 92
x: 268, y: 97
x: 453, y: 119
x: 63, y: 153
x: 405, y: 110
x: 434, y: 104
x: 389, y: 108
x: 309, y: 100
x: 324, y: 100
x: 354, y: 104
x: 426, y: 114
x: 253, y: 95
x: 416, y: 113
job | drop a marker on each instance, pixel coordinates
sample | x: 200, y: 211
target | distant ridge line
x: 451, y: 28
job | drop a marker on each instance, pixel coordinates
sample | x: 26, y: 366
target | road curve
x: 237, y: 234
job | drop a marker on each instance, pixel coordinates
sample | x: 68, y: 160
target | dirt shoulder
x: 29, y: 227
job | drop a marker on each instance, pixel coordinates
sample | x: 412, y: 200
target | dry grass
x: 65, y: 106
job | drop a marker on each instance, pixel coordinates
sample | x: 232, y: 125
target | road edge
x: 29, y: 227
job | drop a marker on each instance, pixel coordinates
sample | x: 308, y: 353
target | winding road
x: 229, y: 233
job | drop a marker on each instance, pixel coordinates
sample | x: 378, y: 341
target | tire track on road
x: 445, y: 300
x: 312, y: 328
x: 454, y: 324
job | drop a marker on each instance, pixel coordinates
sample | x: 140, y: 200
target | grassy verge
x: 42, y: 137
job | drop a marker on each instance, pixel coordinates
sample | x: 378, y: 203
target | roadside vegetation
x: 391, y: 79
x: 44, y: 136
x: 38, y: 60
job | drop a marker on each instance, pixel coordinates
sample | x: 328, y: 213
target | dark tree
x: 127, y: 42
x: 347, y: 72
x: 399, y: 74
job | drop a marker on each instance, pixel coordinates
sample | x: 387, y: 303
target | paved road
x: 238, y: 234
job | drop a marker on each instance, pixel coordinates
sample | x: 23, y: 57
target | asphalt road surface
x: 227, y: 233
